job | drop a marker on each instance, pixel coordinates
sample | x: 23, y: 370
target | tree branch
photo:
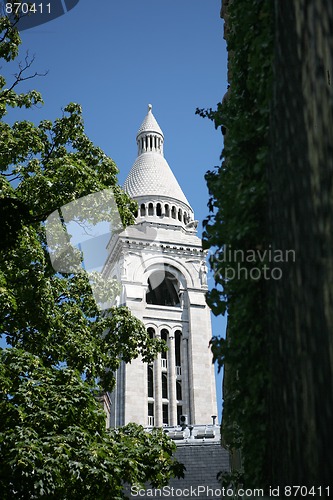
x: 19, y: 76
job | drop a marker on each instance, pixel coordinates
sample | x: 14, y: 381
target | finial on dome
x: 150, y: 107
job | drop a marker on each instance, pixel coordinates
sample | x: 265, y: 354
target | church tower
x: 160, y: 264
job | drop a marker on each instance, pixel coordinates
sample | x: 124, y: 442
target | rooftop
x: 150, y: 175
x: 193, y: 434
x: 150, y: 124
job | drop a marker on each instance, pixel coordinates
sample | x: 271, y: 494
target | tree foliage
x: 237, y: 221
x: 53, y: 440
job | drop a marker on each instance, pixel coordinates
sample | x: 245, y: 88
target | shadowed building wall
x: 300, y: 177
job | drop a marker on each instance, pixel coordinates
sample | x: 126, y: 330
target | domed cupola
x: 151, y: 181
x: 150, y: 137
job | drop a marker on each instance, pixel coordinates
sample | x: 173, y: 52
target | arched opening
x: 164, y: 361
x: 178, y: 339
x: 150, y: 414
x: 165, y: 413
x: 173, y: 212
x: 167, y: 210
x: 179, y: 395
x: 143, y: 210
x: 179, y: 414
x: 163, y: 289
x: 150, y: 381
x: 151, y: 332
x: 179, y: 215
x: 150, y: 209
x: 164, y: 385
x: 158, y: 209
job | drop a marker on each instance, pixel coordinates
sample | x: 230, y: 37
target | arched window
x: 158, y: 209
x: 150, y: 380
x: 163, y: 289
x: 143, y: 210
x: 164, y: 336
x: 173, y: 212
x: 150, y: 414
x: 150, y: 209
x: 151, y: 332
x: 179, y: 214
x: 165, y: 413
x: 179, y: 390
x: 167, y: 210
x: 178, y: 339
x: 184, y: 217
x: 179, y: 414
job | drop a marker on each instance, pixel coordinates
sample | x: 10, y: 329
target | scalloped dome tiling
x: 150, y: 174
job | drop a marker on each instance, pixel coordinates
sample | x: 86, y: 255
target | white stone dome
x: 152, y: 176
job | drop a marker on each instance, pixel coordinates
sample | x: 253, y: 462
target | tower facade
x: 161, y: 266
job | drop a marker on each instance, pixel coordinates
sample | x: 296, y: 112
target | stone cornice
x: 126, y: 244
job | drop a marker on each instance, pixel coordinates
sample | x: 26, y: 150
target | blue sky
x: 116, y: 57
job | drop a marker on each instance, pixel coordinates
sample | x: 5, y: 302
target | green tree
x: 53, y: 439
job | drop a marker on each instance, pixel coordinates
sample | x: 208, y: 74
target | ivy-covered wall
x: 236, y: 226
x: 273, y: 194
